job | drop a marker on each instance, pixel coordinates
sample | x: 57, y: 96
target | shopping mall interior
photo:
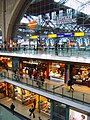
x: 46, y: 62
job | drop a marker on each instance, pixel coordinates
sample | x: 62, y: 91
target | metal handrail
x: 82, y: 97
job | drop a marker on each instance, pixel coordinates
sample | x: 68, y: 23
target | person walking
x: 70, y: 83
x: 12, y: 106
x: 31, y: 110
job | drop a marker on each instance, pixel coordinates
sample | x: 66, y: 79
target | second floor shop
x: 52, y: 70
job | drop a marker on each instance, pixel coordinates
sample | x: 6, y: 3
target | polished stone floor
x: 23, y: 109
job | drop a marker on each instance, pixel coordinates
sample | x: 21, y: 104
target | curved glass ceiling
x: 79, y: 5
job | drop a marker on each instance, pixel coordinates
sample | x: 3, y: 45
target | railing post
x: 83, y: 97
x: 46, y: 86
x: 62, y: 91
x: 72, y: 95
x: 32, y: 82
x: 8, y: 75
x: 5, y: 74
x: 27, y: 80
x: 53, y: 88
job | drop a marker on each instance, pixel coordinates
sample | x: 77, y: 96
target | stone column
x: 67, y: 74
x: 3, y: 21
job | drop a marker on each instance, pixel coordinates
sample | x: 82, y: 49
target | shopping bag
x: 67, y: 87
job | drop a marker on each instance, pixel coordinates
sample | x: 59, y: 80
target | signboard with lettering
x: 65, y: 35
x: 66, y: 20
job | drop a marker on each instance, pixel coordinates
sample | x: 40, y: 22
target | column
x: 39, y: 103
x: 47, y: 70
x: 67, y: 72
x: 67, y: 113
x: 71, y: 72
x: 88, y: 116
x: 3, y: 21
x: 15, y: 63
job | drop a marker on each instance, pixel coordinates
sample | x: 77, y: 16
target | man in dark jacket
x: 12, y: 106
x: 70, y: 83
x: 31, y: 110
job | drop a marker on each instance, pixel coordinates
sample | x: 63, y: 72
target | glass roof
x: 79, y: 5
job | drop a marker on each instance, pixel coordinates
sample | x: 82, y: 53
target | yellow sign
x: 34, y: 37
x: 79, y: 34
x: 52, y: 35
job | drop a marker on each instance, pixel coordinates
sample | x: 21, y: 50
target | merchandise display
x: 81, y: 75
x: 45, y: 106
x: 56, y: 72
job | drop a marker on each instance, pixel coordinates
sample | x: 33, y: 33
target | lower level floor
x: 45, y: 108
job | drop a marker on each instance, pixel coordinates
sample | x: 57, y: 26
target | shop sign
x: 65, y: 35
x: 60, y: 35
x: 34, y: 37
x: 65, y: 20
x: 87, y: 33
x: 68, y: 34
x: 52, y: 35
x: 79, y: 34
x: 43, y: 36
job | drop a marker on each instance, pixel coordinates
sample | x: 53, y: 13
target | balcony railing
x: 78, y: 52
x: 77, y: 96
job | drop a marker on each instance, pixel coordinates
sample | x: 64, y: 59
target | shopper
x: 30, y: 72
x: 31, y: 110
x: 40, y: 118
x: 42, y: 79
x: 70, y: 83
x: 12, y: 106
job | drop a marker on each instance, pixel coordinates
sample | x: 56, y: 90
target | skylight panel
x: 73, y: 4
x: 24, y: 20
x: 86, y: 9
x: 79, y: 5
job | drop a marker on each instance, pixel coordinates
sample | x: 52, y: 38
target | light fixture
x: 56, y: 0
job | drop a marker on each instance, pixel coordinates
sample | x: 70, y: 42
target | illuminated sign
x: 52, y: 35
x: 60, y: 35
x: 65, y: 35
x: 79, y: 34
x: 34, y: 37
x: 68, y: 34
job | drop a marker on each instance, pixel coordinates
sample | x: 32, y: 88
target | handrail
x: 59, y: 51
x: 61, y: 91
x: 22, y: 117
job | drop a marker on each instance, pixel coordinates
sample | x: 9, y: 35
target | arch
x: 16, y: 16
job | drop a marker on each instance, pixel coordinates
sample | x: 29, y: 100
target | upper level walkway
x: 50, y: 56
x: 79, y: 98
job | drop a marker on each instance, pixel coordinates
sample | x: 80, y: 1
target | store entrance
x: 2, y: 90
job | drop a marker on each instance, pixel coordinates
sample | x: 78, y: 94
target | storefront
x: 10, y: 90
x: 44, y: 105
x: 6, y: 63
x: 81, y: 75
x: 24, y: 96
x: 56, y: 72
x: 2, y: 90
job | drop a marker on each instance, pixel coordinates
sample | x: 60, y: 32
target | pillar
x: 67, y: 72
x: 3, y: 21
x: 67, y: 112
x: 71, y: 72
x: 47, y: 70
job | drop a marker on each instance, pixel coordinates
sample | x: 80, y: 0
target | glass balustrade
x: 48, y: 87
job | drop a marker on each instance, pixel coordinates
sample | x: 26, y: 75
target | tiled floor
x: 23, y: 109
